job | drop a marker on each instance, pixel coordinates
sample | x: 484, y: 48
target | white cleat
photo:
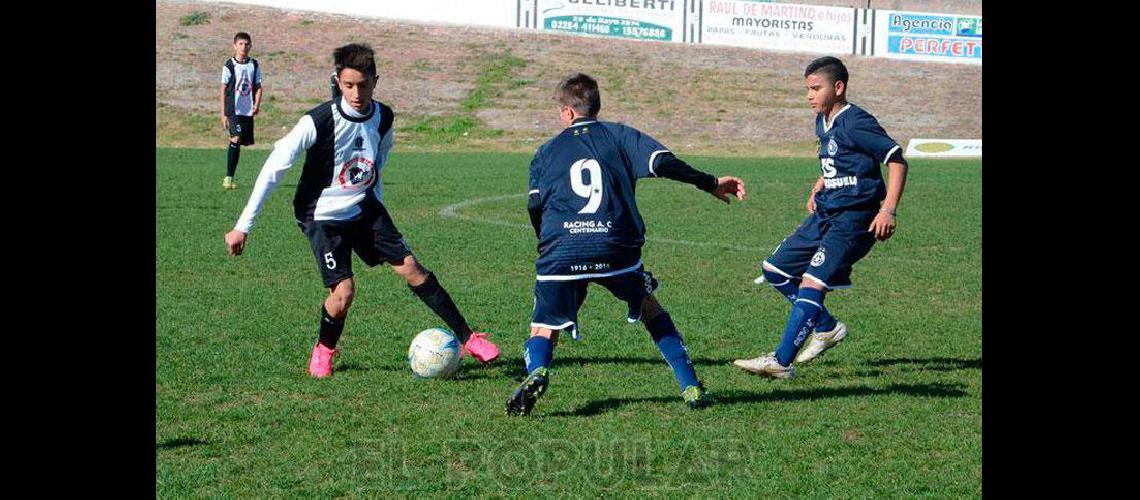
x: 822, y: 341
x: 767, y: 366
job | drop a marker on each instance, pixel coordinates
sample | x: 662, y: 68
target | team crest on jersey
x: 832, y: 147
x: 357, y: 173
x: 358, y: 145
x: 818, y: 258
x: 243, y: 86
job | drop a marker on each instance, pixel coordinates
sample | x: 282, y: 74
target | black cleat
x: 697, y: 397
x: 527, y: 394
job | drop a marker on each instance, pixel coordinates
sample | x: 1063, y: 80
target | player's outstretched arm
x: 729, y: 185
x: 671, y: 167
x: 235, y: 242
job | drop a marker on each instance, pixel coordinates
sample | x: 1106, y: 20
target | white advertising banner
x: 779, y: 26
x: 928, y: 37
x: 657, y: 20
x: 739, y: 23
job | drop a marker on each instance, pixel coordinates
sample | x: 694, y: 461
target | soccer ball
x: 434, y: 353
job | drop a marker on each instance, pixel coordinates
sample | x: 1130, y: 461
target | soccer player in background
x: 582, y: 207
x: 338, y: 205
x: 241, y: 101
x: 849, y: 207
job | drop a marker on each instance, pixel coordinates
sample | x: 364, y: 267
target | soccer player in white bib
x: 338, y: 205
x: 241, y: 101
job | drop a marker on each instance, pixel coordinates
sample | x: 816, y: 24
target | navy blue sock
x: 804, y: 316
x: 537, y: 352
x: 672, y: 347
x: 232, y: 159
x: 789, y: 287
x: 826, y: 321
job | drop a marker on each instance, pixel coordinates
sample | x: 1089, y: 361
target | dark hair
x: 830, y: 66
x: 580, y: 92
x: 357, y: 56
x: 242, y: 36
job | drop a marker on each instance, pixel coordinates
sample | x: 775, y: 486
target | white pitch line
x: 452, y: 211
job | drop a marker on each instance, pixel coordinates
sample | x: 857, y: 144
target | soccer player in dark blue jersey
x: 589, y: 230
x: 849, y: 207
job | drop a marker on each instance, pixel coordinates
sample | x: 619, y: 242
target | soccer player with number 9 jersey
x: 583, y: 210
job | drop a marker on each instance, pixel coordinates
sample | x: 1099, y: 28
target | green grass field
x: 894, y: 410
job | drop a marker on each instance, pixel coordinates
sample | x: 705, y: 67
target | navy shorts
x: 373, y: 236
x: 825, y: 247
x: 556, y: 303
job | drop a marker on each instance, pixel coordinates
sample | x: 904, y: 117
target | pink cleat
x: 320, y: 365
x: 481, y: 348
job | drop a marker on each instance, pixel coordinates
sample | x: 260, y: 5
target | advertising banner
x: 928, y: 37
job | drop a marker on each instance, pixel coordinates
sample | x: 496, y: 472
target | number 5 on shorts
x: 330, y: 262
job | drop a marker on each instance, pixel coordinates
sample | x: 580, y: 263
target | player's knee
x: 538, y: 331
x: 547, y: 333
x: 774, y: 278
x: 810, y: 282
x: 411, y: 271
x: 340, y: 299
x: 650, y: 308
x: 234, y: 139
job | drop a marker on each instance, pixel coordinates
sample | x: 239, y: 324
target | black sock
x: 440, y: 303
x: 330, y: 329
x: 232, y: 159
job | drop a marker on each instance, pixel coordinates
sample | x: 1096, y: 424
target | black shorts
x: 374, y: 238
x: 241, y: 126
